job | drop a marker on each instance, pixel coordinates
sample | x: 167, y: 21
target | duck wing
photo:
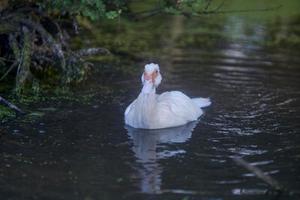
x: 177, y: 108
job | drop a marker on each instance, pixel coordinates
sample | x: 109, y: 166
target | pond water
x: 249, y: 68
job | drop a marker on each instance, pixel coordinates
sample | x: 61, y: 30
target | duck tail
x: 202, y: 102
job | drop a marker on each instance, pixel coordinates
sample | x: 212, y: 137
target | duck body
x: 169, y: 109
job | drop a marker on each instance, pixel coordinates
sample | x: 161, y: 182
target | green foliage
x: 283, y: 35
x: 92, y: 9
x: 110, y: 9
x: 191, y: 7
x: 6, y: 114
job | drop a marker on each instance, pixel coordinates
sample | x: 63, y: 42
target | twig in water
x: 258, y: 172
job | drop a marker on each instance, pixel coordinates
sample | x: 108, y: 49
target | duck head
x: 151, y: 78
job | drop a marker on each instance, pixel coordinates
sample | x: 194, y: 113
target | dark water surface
x: 86, y: 152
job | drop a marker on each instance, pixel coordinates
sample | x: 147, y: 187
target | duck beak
x: 150, y: 77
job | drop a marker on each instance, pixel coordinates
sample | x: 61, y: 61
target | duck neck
x: 148, y: 88
x: 146, y: 103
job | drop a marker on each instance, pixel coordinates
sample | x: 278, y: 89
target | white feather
x: 202, y: 102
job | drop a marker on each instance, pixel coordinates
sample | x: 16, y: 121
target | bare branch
x: 75, y: 26
x: 220, y: 6
x: 208, y: 4
x: 91, y: 52
x: 61, y: 36
x: 10, y: 105
x: 238, y: 11
x: 9, y: 69
x: 147, y: 13
x: 206, y: 11
x: 23, y: 71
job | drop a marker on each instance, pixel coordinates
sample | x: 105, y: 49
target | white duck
x: 169, y: 109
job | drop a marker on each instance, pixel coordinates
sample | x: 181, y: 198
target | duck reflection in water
x: 149, y: 146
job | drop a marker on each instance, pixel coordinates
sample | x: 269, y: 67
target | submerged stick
x: 258, y: 172
x: 11, y: 106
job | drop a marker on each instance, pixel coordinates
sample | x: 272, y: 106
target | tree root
x: 36, y: 41
x: 48, y: 39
